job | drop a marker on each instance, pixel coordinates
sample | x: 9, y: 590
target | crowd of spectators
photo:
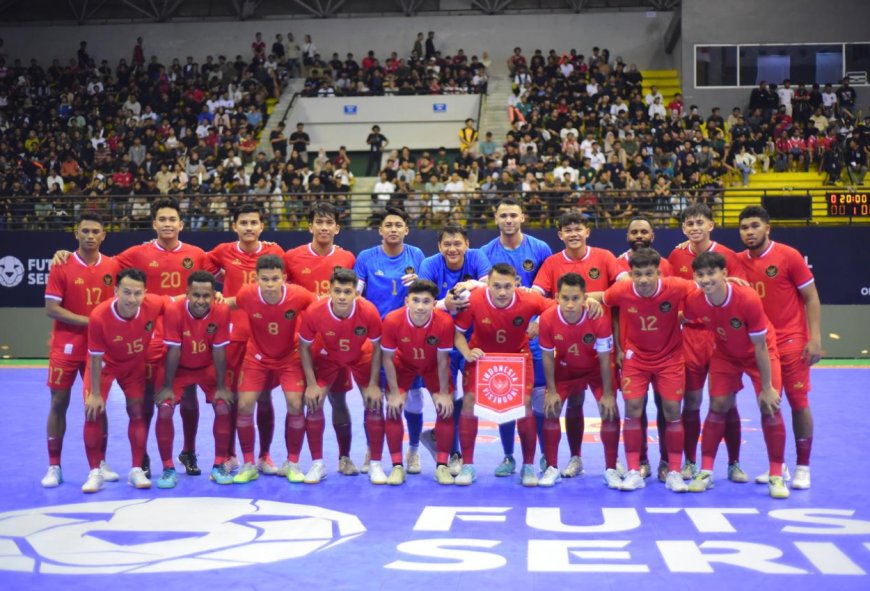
x: 421, y: 71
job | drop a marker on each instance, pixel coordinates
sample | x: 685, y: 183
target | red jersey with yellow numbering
x: 501, y: 330
x: 416, y: 347
x: 273, y: 326
x: 312, y: 271
x: 575, y: 346
x: 123, y: 342
x: 345, y: 340
x: 598, y: 267
x: 196, y: 336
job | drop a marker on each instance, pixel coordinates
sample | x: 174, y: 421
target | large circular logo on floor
x: 167, y: 535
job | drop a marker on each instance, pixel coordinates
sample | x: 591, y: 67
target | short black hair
x: 134, y: 274
x: 754, y: 211
x: 201, y: 276
x: 503, y: 269
x: 322, y: 209
x: 452, y: 229
x: 708, y: 260
x: 165, y: 203
x: 343, y: 276
x: 571, y: 280
x: 424, y: 286
x: 697, y: 210
x: 645, y: 257
x: 639, y: 218
x: 90, y: 216
x: 396, y: 212
x: 509, y: 201
x: 267, y: 262
x: 572, y: 217
x: 247, y: 208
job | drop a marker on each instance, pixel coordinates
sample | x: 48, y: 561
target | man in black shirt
x: 376, y: 142
x: 300, y: 140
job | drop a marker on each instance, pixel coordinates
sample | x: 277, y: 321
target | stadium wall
x: 636, y: 36
x: 843, y: 276
x: 713, y: 22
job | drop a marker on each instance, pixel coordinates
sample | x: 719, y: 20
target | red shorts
x: 469, y: 375
x: 698, y: 349
x: 131, y: 379
x: 726, y: 374
x: 204, y: 377
x: 154, y: 373
x: 795, y: 375
x: 62, y: 372
x: 405, y: 377
x: 667, y: 376
x: 337, y: 377
x: 256, y: 377
x: 235, y: 357
x: 573, y: 381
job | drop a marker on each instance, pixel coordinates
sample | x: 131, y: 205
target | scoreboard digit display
x: 852, y: 205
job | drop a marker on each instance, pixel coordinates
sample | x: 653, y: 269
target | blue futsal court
x: 348, y: 534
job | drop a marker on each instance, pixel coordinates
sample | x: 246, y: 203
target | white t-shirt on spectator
x: 829, y: 99
x: 597, y: 160
x: 616, y: 109
x: 567, y: 69
x: 440, y: 204
x: 453, y: 188
x: 559, y: 173
x: 383, y: 190
x: 651, y: 98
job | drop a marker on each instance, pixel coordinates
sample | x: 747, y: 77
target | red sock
x: 675, y: 437
x: 165, y: 431
x: 266, y: 425
x: 55, y: 444
x: 632, y: 439
x: 692, y: 432
x: 137, y: 433
x: 552, y: 433
x: 231, y: 444
x: 104, y: 442
x: 804, y: 448
x: 342, y: 434
x: 467, y: 437
x: 610, y: 441
x: 528, y: 430
x: 245, y: 426
x: 374, y: 424
x: 574, y: 428
x: 294, y: 434
x: 445, y: 431
x: 773, y: 428
x: 733, y: 435
x: 189, y: 422
x: 714, y: 430
x: 221, y: 431
x: 93, y: 434
x: 315, y: 425
x: 395, y: 436
x: 644, y: 437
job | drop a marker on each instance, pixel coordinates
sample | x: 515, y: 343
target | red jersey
x: 166, y: 270
x: 664, y: 266
x: 239, y: 268
x: 345, y: 340
x: 80, y: 288
x: 123, y: 342
x: 576, y: 346
x: 651, y: 324
x: 312, y: 271
x: 273, y: 326
x: 416, y: 347
x: 598, y: 267
x: 500, y: 330
x: 778, y: 274
x: 196, y: 336
x: 681, y: 259
x: 740, y: 316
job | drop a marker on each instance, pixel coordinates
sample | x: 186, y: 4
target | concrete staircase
x: 494, y: 117
x: 666, y: 81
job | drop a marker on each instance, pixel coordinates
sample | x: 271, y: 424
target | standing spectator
x: 300, y: 140
x: 138, y: 54
x: 846, y: 99
x: 829, y: 100
x: 278, y: 48
x: 418, y: 46
x: 785, y: 94
x: 376, y: 142
x: 430, y: 45
x: 278, y: 141
x: 308, y: 51
x: 293, y: 51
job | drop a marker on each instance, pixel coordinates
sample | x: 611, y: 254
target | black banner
x: 837, y: 256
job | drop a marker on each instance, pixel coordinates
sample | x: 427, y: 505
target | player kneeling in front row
x: 347, y: 329
x: 196, y: 331
x: 576, y: 354
x: 417, y: 340
x: 745, y: 343
x: 119, y: 332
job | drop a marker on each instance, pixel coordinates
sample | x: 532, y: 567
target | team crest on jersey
x: 736, y: 323
x: 594, y: 273
x: 154, y: 264
x: 589, y: 338
x: 149, y: 326
x: 211, y: 328
x: 187, y: 263
x: 665, y: 306
x: 360, y: 331
x: 409, y: 270
x: 432, y: 340
x: 771, y: 271
x: 518, y: 321
x: 107, y: 279
x: 289, y: 314
x: 79, y: 281
x: 528, y: 265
